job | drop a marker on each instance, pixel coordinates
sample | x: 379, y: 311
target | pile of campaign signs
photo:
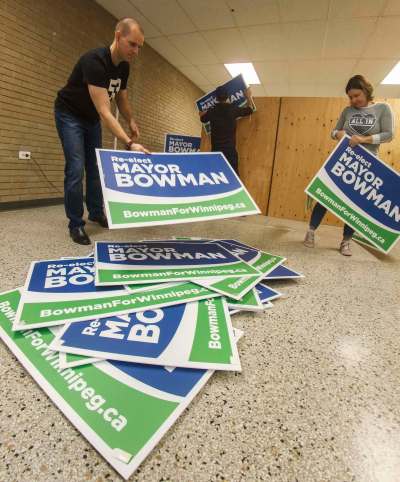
x: 123, y: 339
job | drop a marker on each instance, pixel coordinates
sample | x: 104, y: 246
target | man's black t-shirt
x: 96, y: 68
x: 222, y: 118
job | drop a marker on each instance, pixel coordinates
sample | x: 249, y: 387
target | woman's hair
x: 360, y: 82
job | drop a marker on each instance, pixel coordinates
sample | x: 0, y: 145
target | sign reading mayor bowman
x: 167, y: 188
x: 362, y: 191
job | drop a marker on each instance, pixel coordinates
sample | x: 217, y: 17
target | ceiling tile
x: 167, y: 50
x: 337, y: 70
x: 388, y: 91
x: 193, y: 46
x: 257, y: 91
x: 166, y: 15
x: 302, y: 89
x: 303, y: 70
x: 392, y: 7
x: 216, y: 74
x: 208, y: 14
x: 373, y: 69
x: 272, y: 72
x: 123, y: 8
x: 228, y: 45
x: 356, y: 8
x: 264, y: 42
x: 194, y: 75
x: 304, y: 40
x: 347, y: 38
x: 277, y: 90
x: 327, y: 89
x: 254, y: 12
x: 295, y: 10
x: 384, y: 43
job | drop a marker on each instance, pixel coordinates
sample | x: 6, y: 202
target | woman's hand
x: 355, y: 140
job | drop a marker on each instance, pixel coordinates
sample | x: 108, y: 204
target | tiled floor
x: 318, y: 398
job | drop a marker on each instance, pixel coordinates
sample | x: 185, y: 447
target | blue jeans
x: 79, y: 139
x: 317, y: 215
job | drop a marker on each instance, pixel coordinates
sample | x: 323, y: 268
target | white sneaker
x: 309, y: 239
x: 345, y: 248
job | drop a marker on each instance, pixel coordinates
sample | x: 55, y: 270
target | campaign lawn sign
x: 58, y: 291
x: 181, y: 143
x: 122, y: 409
x: 362, y: 191
x: 194, y: 335
x: 163, y: 261
x: 236, y: 90
x: 157, y: 189
x: 262, y: 261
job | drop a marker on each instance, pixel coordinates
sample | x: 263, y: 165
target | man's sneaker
x: 102, y: 220
x: 79, y: 235
x: 309, y: 239
x: 345, y: 248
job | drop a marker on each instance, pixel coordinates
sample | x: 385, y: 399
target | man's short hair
x: 125, y: 24
x: 221, y: 94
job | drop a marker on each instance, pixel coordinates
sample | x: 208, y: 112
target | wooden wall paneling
x: 255, y: 142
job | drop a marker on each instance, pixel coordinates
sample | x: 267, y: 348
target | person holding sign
x: 368, y: 124
x: 222, y: 118
x: 99, y: 76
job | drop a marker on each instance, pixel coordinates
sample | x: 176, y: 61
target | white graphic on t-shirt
x: 362, y: 123
x: 113, y: 88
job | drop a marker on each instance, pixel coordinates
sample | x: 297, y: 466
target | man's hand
x: 202, y: 113
x: 355, y: 140
x: 138, y: 148
x: 134, y: 129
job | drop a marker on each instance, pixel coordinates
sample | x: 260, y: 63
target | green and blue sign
x: 362, y: 191
x: 162, y: 261
x: 154, y: 189
x: 194, y: 335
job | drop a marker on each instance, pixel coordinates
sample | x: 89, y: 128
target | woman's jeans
x: 79, y: 140
x: 317, y: 215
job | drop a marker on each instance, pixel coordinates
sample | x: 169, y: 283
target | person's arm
x: 99, y: 96
x: 338, y: 131
x: 245, y: 111
x: 204, y: 116
x: 386, y: 134
x: 126, y: 111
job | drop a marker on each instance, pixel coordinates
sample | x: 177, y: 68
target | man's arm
x: 99, y: 96
x: 245, y: 111
x: 125, y: 108
x: 204, y: 116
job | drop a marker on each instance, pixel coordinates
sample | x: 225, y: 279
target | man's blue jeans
x: 79, y: 139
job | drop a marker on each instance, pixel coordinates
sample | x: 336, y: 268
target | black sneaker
x: 79, y: 235
x: 102, y: 220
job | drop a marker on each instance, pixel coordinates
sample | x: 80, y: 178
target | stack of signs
x: 124, y: 341
x: 236, y: 90
x: 363, y: 192
x: 181, y: 143
x: 155, y: 189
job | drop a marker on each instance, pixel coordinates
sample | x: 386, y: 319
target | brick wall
x: 40, y: 41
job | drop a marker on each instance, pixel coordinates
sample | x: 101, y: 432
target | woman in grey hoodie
x: 368, y: 124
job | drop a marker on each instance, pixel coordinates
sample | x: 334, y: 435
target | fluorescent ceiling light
x: 246, y: 69
x: 393, y: 77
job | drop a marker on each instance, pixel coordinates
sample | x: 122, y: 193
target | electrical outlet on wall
x: 24, y: 154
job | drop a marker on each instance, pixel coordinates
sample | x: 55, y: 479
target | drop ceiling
x: 298, y: 47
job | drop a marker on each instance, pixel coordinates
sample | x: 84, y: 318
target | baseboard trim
x: 31, y: 203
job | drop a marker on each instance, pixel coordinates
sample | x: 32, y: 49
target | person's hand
x: 138, y: 148
x: 248, y: 92
x: 355, y: 140
x: 134, y: 129
x: 340, y: 135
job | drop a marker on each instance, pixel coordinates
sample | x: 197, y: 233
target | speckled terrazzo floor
x: 318, y: 398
